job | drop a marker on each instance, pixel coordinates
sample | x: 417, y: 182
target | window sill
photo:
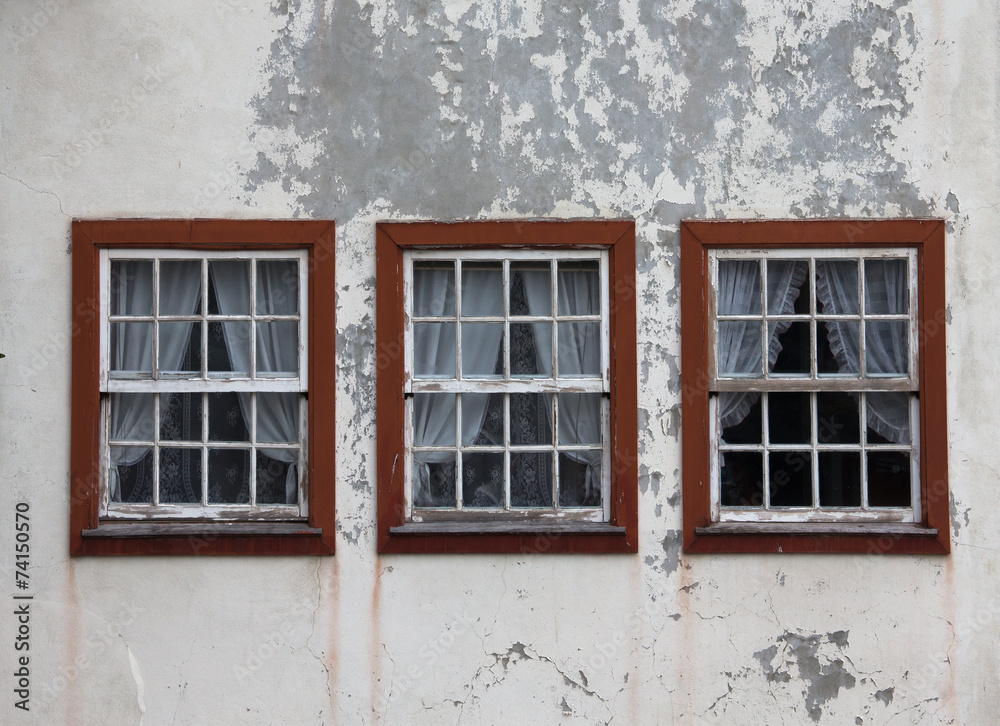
x: 204, y: 538
x: 816, y: 537
x: 532, y: 528
x: 863, y: 529
x: 507, y: 538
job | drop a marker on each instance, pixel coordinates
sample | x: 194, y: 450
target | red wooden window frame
x: 315, y: 537
x: 618, y: 237
x: 931, y: 536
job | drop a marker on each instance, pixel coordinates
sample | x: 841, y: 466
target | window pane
x: 787, y: 287
x: 531, y: 479
x: 579, y: 418
x: 228, y: 349
x: 434, y: 350
x: 132, y: 416
x: 180, y: 349
x: 740, y: 350
x: 839, y: 419
x: 740, y: 418
x: 741, y: 475
x: 531, y: 350
x: 180, y: 416
x: 132, y: 287
x: 180, y: 476
x: 226, y: 420
x: 228, y: 287
x: 579, y: 478
x: 579, y: 350
x: 579, y: 286
x: 482, y: 480
x: 278, y: 418
x: 840, y: 478
x: 434, y: 419
x: 793, y: 352
x: 888, y: 418
x: 482, y: 288
x: 790, y: 478
x: 886, y: 348
x: 278, y: 349
x: 180, y: 287
x: 530, y: 419
x: 889, y: 479
x: 277, y: 476
x: 433, y: 289
x: 887, y: 287
x: 789, y: 418
x: 277, y: 287
x: 433, y: 479
x: 482, y: 350
x: 131, y: 347
x: 130, y: 480
x: 530, y: 288
x: 482, y: 419
x: 838, y: 349
x: 739, y: 287
x: 229, y: 476
x: 837, y: 287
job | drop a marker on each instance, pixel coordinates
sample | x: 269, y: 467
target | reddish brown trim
x: 318, y: 237
x: 616, y: 236
x: 697, y: 237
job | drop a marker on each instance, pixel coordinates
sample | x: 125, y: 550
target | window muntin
x: 203, y: 379
x: 491, y: 363
x: 814, y: 385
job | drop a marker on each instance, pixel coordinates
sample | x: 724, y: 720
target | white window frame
x: 507, y: 385
x: 813, y: 384
x: 204, y: 383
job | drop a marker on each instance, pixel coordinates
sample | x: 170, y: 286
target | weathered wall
x: 360, y: 111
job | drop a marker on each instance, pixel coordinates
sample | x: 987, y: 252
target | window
x: 506, y: 387
x: 813, y: 383
x: 196, y: 405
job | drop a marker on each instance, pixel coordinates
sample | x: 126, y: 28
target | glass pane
x: 131, y: 347
x: 531, y: 478
x: 277, y: 476
x: 180, y: 287
x: 433, y: 479
x: 741, y: 475
x: 887, y: 287
x: 580, y: 479
x: 531, y: 350
x: 579, y: 350
x: 434, y: 419
x: 840, y: 478
x: 886, y: 348
x: 180, y: 349
x: 180, y: 476
x: 229, y: 349
x: 888, y: 418
x: 793, y: 354
x: 132, y: 416
x: 837, y: 287
x: 740, y: 350
x: 482, y: 288
x: 530, y: 419
x: 131, y: 475
x: 837, y: 348
x: 277, y: 287
x: 482, y: 350
x: 839, y: 419
x: 225, y: 416
x: 434, y: 350
x: 278, y: 349
x: 788, y: 418
x: 579, y: 418
x: 739, y: 287
x: 433, y: 289
x: 482, y: 419
x: 180, y: 416
x: 889, y: 478
x: 131, y: 287
x: 790, y: 483
x: 530, y: 288
x: 228, y: 287
x: 229, y: 476
x: 579, y: 286
x: 740, y: 418
x: 482, y: 480
x: 787, y: 287
x: 278, y: 418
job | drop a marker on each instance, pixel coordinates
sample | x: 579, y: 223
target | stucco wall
x: 361, y: 111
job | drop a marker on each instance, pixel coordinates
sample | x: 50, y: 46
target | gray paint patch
x: 885, y: 695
